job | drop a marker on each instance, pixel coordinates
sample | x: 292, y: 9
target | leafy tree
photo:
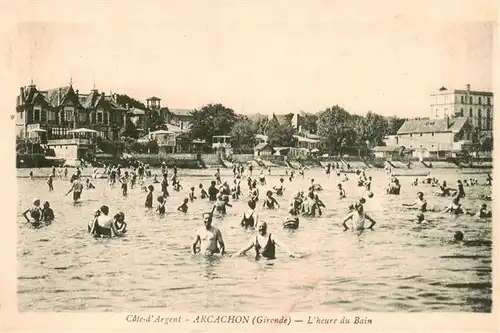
x: 210, y: 120
x: 124, y: 99
x: 154, y: 121
x: 243, y: 133
x: 281, y: 135
x: 336, y: 126
x: 130, y: 129
x: 310, y: 123
x: 370, y: 129
x: 393, y: 124
x: 260, y: 125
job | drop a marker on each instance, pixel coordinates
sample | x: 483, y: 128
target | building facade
x: 433, y: 137
x: 475, y: 105
x: 180, y: 117
x: 57, y: 111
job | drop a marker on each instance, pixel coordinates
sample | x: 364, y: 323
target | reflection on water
x: 398, y: 267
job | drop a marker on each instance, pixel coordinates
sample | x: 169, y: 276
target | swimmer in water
x: 458, y: 237
x: 103, y: 225
x: 183, y: 207
x: 358, y: 219
x: 420, y: 218
x: 420, y: 203
x: 191, y: 194
x: 269, y: 201
x: 249, y: 218
x: 77, y: 188
x: 208, y: 238
x: 89, y: 184
x: 292, y: 220
x: 35, y: 214
x: 50, y: 183
x: 120, y: 224
x: 483, y: 212
x: 221, y: 204
x: 47, y: 213
x: 341, y: 191
x: 264, y: 244
x: 212, y: 191
x: 149, y: 197
x: 161, y: 205
x: 203, y: 193
x: 455, y: 207
x: 280, y: 188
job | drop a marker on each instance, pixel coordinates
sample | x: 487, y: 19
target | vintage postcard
x: 205, y: 166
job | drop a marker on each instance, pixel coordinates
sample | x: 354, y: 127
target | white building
x: 475, y: 105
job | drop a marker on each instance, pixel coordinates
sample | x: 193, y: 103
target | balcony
x: 220, y: 145
x: 75, y: 141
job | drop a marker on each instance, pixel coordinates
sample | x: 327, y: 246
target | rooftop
x: 432, y: 125
x: 181, y: 112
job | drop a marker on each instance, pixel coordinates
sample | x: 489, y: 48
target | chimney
x: 468, y: 87
x: 22, y: 94
x: 77, y: 93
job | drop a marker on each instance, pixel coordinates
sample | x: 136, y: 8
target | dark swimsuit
x: 268, y: 251
x: 248, y: 222
x: 100, y: 231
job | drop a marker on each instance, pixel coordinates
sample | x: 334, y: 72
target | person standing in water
x: 50, y: 183
x: 47, y: 213
x: 249, y: 218
x: 358, y: 219
x: 420, y: 203
x: 264, y: 244
x: 35, y: 214
x: 77, y: 188
x: 149, y: 197
x: 208, y: 239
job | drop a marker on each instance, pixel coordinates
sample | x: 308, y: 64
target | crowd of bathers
x: 223, y: 193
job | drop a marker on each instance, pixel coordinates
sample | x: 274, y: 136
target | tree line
x: 339, y: 129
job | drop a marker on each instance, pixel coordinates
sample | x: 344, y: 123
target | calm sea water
x: 397, y: 267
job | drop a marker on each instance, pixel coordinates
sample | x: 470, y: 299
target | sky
x: 255, y: 56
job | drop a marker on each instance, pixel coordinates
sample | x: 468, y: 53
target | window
x: 479, y: 113
x: 93, y: 118
x: 99, y: 117
x: 437, y: 112
x: 411, y: 135
x: 461, y: 112
x: 36, y: 115
x: 69, y: 114
x: 43, y: 116
x: 470, y: 100
x: 52, y: 115
x: 432, y: 134
x: 479, y: 100
x: 21, y: 114
x: 489, y: 101
x: 105, y: 117
x: 470, y: 112
x: 420, y: 134
x: 462, y: 99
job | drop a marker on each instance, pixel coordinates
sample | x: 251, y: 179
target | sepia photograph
x: 225, y: 158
